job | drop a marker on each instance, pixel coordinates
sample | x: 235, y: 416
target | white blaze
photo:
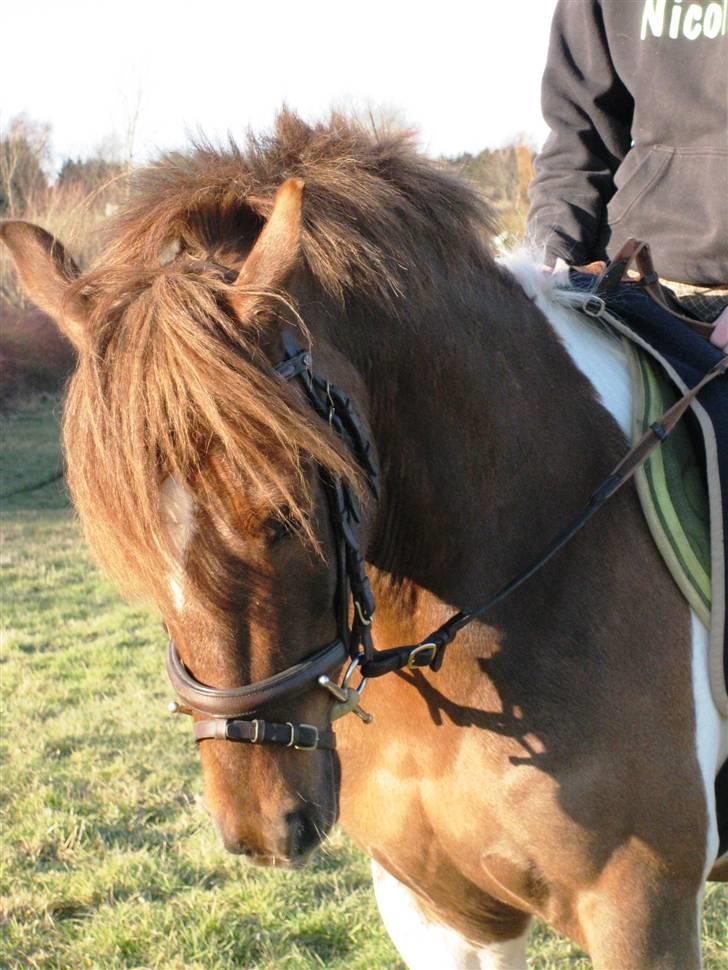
x: 178, y: 514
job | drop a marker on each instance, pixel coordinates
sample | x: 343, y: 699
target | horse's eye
x: 278, y: 527
x: 276, y: 531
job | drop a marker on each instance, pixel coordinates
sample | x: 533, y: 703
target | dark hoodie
x: 636, y: 95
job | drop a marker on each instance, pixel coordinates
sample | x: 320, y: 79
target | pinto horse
x: 561, y: 762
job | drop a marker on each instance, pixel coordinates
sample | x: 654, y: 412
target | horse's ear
x: 46, y: 272
x: 276, y: 251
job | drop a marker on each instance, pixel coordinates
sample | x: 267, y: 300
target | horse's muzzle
x: 288, y: 844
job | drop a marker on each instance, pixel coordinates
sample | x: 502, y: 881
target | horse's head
x: 220, y: 485
x: 227, y: 488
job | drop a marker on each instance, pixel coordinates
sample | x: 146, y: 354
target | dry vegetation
x: 503, y: 176
x: 33, y: 355
x: 73, y: 205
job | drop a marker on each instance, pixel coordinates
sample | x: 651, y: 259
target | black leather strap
x: 355, y: 642
x: 302, y: 737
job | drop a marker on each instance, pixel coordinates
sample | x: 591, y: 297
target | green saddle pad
x: 671, y: 486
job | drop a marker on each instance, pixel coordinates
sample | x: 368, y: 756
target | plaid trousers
x: 704, y: 302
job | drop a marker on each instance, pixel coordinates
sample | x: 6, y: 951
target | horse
x: 310, y: 337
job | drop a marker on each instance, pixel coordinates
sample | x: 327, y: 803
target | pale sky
x: 466, y: 75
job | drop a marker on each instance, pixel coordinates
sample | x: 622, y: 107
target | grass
x: 108, y: 859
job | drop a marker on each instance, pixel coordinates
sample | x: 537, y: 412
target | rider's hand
x: 597, y: 267
x: 719, y: 336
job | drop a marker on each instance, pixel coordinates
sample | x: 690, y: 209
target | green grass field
x: 108, y: 859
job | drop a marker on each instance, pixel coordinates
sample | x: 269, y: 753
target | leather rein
x: 228, y: 711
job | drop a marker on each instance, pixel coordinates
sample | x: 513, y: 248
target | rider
x: 636, y: 97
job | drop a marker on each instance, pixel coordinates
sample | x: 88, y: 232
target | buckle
x: 332, y: 404
x: 363, y: 619
x: 256, y: 736
x: 305, y: 747
x: 594, y: 306
x: 418, y: 651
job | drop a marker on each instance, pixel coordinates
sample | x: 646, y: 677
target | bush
x: 34, y: 356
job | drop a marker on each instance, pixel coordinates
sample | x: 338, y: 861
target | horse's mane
x: 173, y: 378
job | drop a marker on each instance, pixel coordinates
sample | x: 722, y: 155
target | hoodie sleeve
x: 589, y: 112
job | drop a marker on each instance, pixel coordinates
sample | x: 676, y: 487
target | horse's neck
x: 491, y: 439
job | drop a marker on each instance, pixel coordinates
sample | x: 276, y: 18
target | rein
x: 228, y: 708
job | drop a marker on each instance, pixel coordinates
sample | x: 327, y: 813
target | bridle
x: 229, y: 710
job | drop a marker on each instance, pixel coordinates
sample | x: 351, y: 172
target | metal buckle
x: 293, y: 734
x: 332, y: 404
x: 594, y: 306
x: 364, y: 621
x: 307, y: 747
x: 419, y: 649
x: 256, y: 737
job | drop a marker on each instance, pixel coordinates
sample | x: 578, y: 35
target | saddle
x: 633, y: 265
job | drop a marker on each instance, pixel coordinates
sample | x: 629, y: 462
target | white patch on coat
x: 425, y: 944
x: 711, y: 730
x: 596, y: 352
x: 600, y: 357
x: 178, y: 515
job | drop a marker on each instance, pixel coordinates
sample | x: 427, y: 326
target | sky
x: 148, y: 74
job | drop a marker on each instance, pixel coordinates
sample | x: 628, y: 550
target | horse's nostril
x: 303, y: 835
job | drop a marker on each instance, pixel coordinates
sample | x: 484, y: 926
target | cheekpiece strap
x: 332, y: 404
x: 294, y: 366
x: 335, y: 407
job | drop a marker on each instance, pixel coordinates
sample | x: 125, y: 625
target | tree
x: 88, y: 174
x: 502, y: 175
x: 24, y: 153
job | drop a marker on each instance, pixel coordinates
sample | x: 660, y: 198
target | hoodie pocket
x: 637, y: 175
